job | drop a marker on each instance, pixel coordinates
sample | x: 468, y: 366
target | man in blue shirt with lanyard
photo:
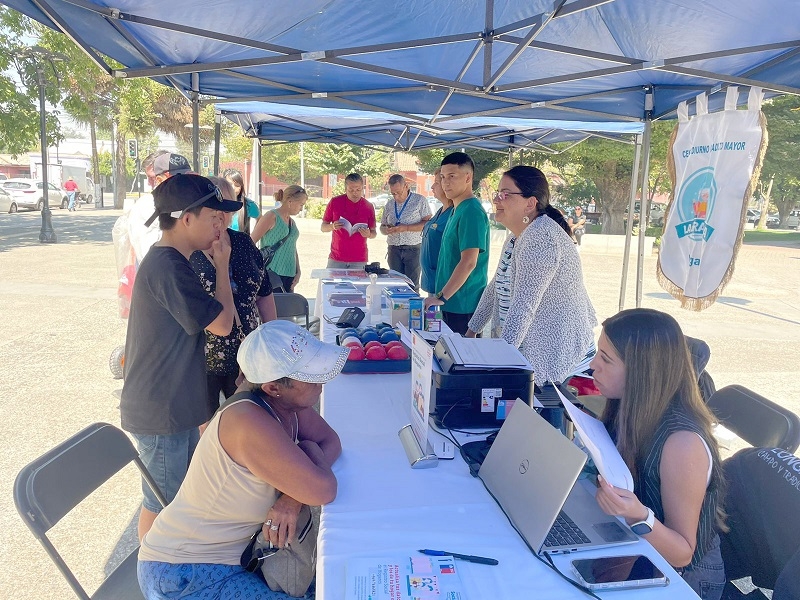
x: 403, y: 218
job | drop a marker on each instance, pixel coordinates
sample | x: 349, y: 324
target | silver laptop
x: 532, y: 471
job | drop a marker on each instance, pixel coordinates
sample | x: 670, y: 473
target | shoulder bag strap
x: 248, y: 395
x: 279, y: 243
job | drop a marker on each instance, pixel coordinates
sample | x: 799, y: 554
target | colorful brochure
x: 415, y: 578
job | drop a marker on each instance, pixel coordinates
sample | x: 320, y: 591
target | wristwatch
x: 440, y: 296
x: 646, y: 526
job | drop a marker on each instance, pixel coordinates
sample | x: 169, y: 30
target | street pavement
x: 60, y: 324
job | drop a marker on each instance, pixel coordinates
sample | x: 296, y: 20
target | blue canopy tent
x: 431, y: 62
x: 291, y: 123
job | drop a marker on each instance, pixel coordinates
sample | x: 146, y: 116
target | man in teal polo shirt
x: 461, y: 272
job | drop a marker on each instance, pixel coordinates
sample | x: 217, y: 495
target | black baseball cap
x: 181, y: 192
x: 170, y: 163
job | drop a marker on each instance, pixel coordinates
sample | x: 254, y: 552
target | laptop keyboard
x: 565, y: 533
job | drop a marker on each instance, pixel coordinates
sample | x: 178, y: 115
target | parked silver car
x: 379, y: 201
x: 27, y: 193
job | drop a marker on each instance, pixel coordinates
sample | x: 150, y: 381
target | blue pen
x: 468, y: 557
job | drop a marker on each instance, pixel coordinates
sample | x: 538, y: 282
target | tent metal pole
x: 195, y: 123
x: 217, y: 134
x: 258, y: 181
x: 629, y: 229
x: 643, y: 209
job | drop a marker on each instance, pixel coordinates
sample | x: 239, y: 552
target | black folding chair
x: 294, y: 307
x: 51, y: 486
x: 758, y: 421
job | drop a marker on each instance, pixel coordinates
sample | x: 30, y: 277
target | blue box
x: 415, y: 314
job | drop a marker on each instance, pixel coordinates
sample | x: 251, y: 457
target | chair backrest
x: 52, y: 485
x: 290, y: 306
x: 276, y: 282
x: 755, y: 419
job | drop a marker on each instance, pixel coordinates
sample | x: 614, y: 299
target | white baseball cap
x: 282, y: 349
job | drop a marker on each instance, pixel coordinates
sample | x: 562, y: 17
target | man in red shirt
x: 72, y: 191
x: 352, y: 220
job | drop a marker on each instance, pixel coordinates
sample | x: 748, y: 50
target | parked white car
x: 793, y: 220
x: 27, y: 193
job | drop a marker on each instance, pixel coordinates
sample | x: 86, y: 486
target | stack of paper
x: 485, y: 353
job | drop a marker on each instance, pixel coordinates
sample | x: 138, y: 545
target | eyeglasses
x: 177, y: 214
x: 503, y: 194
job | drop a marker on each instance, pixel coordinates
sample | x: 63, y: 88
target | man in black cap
x: 158, y: 166
x: 164, y: 394
x: 167, y: 164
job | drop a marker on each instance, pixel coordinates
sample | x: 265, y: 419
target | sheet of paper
x: 601, y: 447
x: 486, y: 352
x: 412, y: 578
x: 421, y: 368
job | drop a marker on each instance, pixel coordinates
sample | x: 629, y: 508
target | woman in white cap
x: 257, y: 464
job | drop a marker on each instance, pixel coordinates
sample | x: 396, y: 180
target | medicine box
x: 415, y: 316
x: 397, y: 304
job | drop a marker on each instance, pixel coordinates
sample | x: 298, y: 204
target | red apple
x: 356, y: 353
x: 397, y: 353
x: 376, y: 353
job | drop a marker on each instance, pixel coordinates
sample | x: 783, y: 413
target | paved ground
x: 60, y: 325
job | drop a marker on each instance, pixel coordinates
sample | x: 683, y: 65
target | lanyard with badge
x: 397, y: 215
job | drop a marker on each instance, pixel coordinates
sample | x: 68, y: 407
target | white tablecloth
x: 386, y: 509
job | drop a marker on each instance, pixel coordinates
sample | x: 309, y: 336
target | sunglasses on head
x: 177, y: 214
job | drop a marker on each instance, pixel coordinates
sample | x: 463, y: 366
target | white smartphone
x: 618, y: 572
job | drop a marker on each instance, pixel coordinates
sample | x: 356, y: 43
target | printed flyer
x: 414, y: 578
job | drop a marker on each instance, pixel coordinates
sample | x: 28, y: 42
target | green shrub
x: 315, y: 208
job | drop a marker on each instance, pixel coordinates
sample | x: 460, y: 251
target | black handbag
x: 269, y: 252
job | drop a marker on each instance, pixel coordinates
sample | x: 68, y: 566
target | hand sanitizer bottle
x: 374, y: 300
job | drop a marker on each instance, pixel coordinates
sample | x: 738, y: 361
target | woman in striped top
x: 662, y: 428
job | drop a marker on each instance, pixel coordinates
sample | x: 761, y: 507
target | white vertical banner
x: 714, y: 162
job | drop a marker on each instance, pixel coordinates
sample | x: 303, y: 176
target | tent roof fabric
x: 587, y: 60
x: 289, y: 123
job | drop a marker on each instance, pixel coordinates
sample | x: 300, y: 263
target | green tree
x: 90, y: 93
x: 486, y: 162
x: 607, y: 166
x: 780, y: 160
x: 19, y: 93
x: 341, y: 159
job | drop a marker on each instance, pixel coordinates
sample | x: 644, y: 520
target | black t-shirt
x: 763, y: 504
x: 249, y: 281
x: 165, y: 365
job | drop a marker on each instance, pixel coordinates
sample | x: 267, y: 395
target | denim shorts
x: 707, y: 578
x: 167, y: 458
x: 201, y: 581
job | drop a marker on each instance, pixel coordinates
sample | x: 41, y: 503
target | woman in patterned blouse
x: 537, y: 301
x: 252, y: 297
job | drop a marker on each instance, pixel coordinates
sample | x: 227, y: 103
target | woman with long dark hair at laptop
x: 662, y: 429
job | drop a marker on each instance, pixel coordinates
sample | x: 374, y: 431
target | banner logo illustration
x: 696, y: 200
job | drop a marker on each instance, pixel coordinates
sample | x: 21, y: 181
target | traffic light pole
x: 47, y: 234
